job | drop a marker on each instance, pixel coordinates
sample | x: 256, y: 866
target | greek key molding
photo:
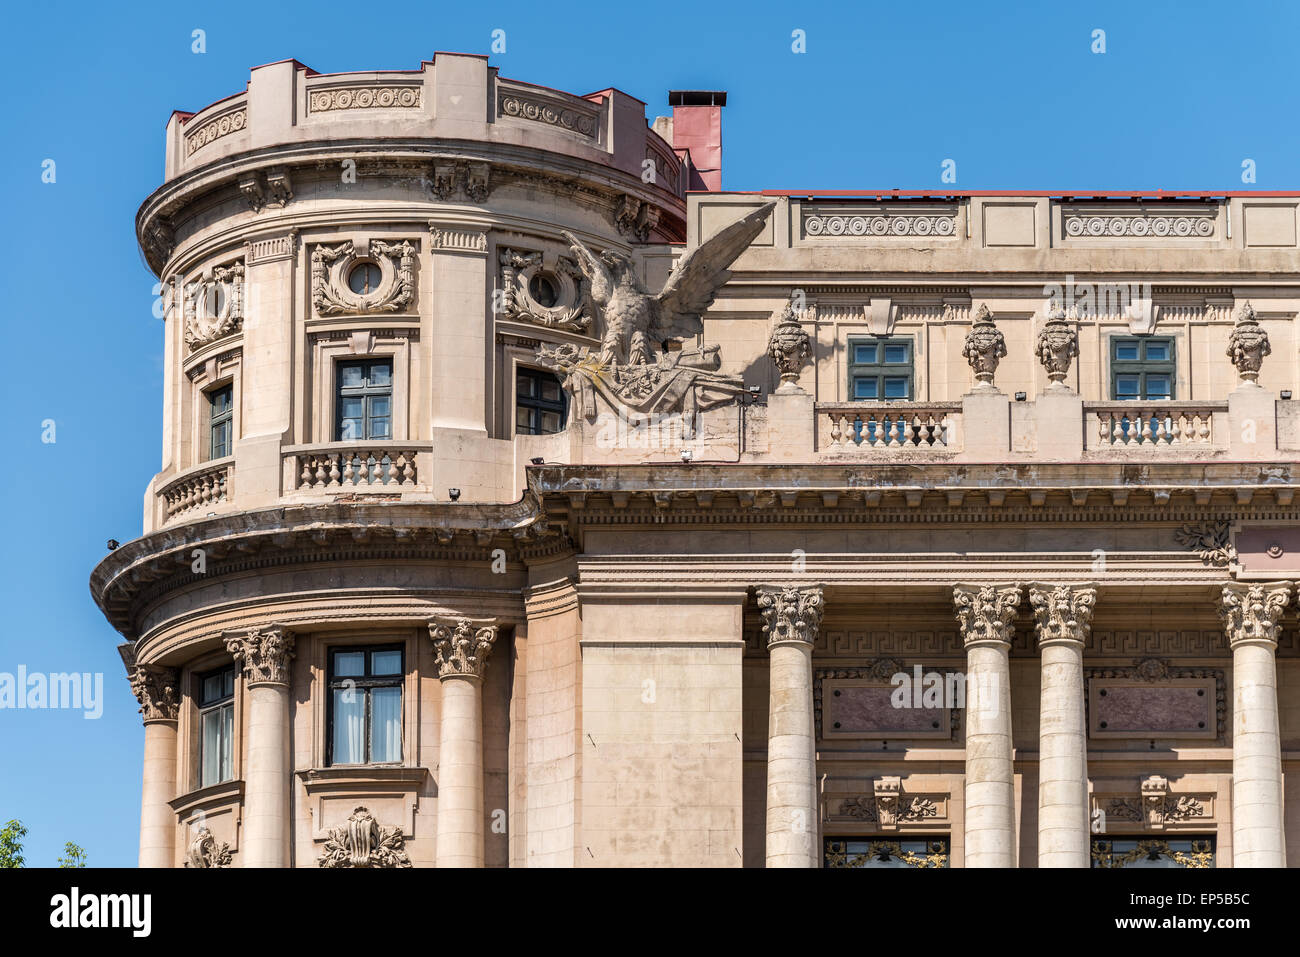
x: 215, y: 128
x: 380, y: 97
x: 462, y: 645
x: 262, y: 654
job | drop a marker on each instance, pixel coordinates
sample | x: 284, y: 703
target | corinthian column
x: 1250, y: 615
x: 791, y: 616
x: 264, y: 654
x: 1063, y: 615
x: 462, y: 646
x: 155, y: 689
x: 987, y: 614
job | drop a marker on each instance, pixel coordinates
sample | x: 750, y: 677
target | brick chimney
x: 697, y: 126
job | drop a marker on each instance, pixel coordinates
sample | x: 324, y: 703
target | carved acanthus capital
x: 1063, y: 612
x: 155, y: 689
x: 985, y: 346
x: 205, y: 852
x: 791, y: 612
x: 986, y: 612
x: 1248, y: 344
x: 462, y: 645
x: 1058, y: 343
x: 360, y: 841
x: 1252, y: 611
x: 263, y: 654
x: 789, y: 346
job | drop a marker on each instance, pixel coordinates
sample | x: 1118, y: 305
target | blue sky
x: 884, y: 94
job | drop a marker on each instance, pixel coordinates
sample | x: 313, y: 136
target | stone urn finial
x: 985, y: 345
x: 789, y: 346
x: 1248, y: 344
x: 1058, y: 343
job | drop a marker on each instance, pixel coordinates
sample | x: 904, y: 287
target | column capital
x: 986, y: 613
x: 791, y: 613
x: 155, y: 688
x: 1063, y: 613
x: 263, y: 654
x: 462, y: 645
x: 1252, y: 611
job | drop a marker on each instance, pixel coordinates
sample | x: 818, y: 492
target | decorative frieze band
x: 881, y: 224
x: 887, y: 806
x: 273, y: 248
x: 462, y: 645
x: 216, y: 128
x: 1154, y: 807
x: 790, y: 612
x: 385, y: 97
x: 1079, y: 225
x: 457, y: 240
x: 540, y: 111
x: 263, y: 654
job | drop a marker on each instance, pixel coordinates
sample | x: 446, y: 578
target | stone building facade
x: 527, y: 500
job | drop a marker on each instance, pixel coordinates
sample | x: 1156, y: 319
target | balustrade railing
x: 1163, y: 424
x: 353, y: 466
x: 207, y: 485
x: 861, y: 426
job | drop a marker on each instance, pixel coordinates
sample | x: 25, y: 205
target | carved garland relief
x: 557, y: 297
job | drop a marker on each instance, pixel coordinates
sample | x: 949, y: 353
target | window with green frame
x: 221, y: 421
x: 364, y: 401
x: 880, y: 369
x: 1142, y: 368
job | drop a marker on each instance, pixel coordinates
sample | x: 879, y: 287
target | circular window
x: 214, y: 301
x: 542, y: 290
x: 364, y: 278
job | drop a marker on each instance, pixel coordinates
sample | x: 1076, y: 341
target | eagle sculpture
x: 637, y: 321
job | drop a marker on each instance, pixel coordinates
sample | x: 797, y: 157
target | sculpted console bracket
x: 628, y: 375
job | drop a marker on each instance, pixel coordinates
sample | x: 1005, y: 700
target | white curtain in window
x: 349, y: 718
x: 386, y: 725
x: 210, y: 748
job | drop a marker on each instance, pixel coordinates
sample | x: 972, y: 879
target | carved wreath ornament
x: 332, y: 265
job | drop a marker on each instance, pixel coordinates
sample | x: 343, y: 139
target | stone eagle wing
x: 698, y: 277
x: 597, y: 273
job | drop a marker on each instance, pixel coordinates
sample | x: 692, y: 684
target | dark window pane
x: 896, y: 388
x: 864, y: 353
x: 380, y: 405
x: 865, y: 388
x: 212, y: 689
x: 1127, y: 386
x: 551, y: 422
x: 1126, y: 350
x: 1157, y: 351
x: 551, y: 390
x: 895, y: 353
x: 524, y: 385
x: 349, y: 664
x: 352, y: 376
x: 386, y: 662
x: 379, y: 429
x: 1157, y: 386
x: 524, y: 420
x: 381, y: 373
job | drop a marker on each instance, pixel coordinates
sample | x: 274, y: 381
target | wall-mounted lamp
x: 1021, y: 396
x: 538, y: 461
x: 687, y: 455
x: 454, y: 493
x: 1286, y: 393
